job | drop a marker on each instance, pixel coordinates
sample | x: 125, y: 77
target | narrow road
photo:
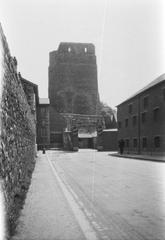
x: 90, y: 195
x: 112, y: 198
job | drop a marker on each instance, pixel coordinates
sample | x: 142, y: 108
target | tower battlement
x: 76, y: 48
x: 83, y: 53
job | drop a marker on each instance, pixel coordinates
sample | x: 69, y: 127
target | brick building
x: 40, y: 110
x: 141, y: 119
x: 43, y: 127
x: 31, y: 92
x: 73, y: 86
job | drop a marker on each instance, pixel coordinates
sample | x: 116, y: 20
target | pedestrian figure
x: 121, y: 146
x: 43, y: 150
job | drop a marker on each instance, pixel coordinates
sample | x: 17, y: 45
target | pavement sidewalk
x: 46, y: 214
x: 140, y: 157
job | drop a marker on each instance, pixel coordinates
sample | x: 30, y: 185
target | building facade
x: 73, y: 86
x: 141, y: 119
x: 31, y: 92
x: 43, y: 127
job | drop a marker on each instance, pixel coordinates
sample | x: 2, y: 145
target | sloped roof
x: 35, y: 87
x: 28, y: 82
x: 44, y: 101
x: 156, y: 81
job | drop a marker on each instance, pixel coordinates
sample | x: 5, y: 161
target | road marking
x: 85, y: 226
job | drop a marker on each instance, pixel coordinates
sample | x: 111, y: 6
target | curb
x: 137, y: 157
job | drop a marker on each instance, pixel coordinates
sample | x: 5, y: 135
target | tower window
x: 85, y: 50
x: 69, y: 49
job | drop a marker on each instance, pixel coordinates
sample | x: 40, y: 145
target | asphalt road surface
x: 112, y: 198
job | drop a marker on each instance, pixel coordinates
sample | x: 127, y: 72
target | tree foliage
x: 109, y: 115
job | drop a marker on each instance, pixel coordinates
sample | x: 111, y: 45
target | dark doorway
x: 56, y: 140
x: 90, y: 143
x: 86, y: 143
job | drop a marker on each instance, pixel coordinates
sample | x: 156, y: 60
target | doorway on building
x: 56, y: 139
x: 86, y: 143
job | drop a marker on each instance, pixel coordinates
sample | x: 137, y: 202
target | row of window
x: 145, y: 102
x: 43, y: 132
x: 156, y: 142
x: 43, y: 111
x: 143, y: 118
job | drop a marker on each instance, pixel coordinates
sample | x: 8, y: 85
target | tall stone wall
x: 17, y: 136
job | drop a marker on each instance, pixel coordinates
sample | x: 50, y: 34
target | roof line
x: 156, y: 81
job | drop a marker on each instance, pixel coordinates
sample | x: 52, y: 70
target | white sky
x: 129, y: 36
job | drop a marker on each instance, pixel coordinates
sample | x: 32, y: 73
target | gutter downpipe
x: 139, y: 126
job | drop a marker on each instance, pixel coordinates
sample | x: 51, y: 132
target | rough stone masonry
x: 17, y: 136
x: 73, y: 85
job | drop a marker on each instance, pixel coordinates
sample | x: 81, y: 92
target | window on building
x: 119, y: 125
x: 43, y: 132
x: 145, y: 102
x: 127, y: 143
x: 69, y: 49
x: 157, y: 141
x: 135, y: 142
x: 156, y: 114
x: 43, y: 111
x: 143, y: 117
x: 126, y: 122
x: 144, y: 142
x: 134, y: 120
x: 85, y: 50
x: 43, y: 123
x: 130, y: 108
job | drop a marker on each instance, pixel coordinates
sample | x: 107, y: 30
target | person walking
x: 121, y: 146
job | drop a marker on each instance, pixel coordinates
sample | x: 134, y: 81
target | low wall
x: 107, y: 140
x: 17, y: 136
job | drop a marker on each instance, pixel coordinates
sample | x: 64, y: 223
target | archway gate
x: 81, y: 131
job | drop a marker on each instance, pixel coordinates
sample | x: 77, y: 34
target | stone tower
x: 73, y: 86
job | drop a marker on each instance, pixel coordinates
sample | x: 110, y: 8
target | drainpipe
x: 139, y: 126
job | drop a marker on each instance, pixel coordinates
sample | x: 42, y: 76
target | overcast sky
x: 129, y: 36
